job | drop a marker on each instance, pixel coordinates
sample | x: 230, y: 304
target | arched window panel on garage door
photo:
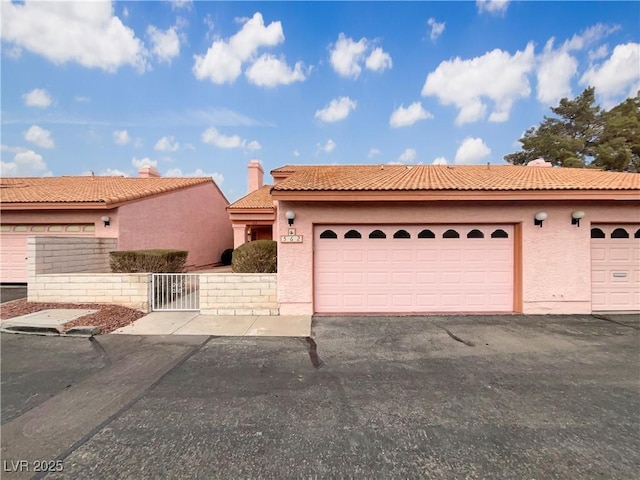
x: 377, y: 234
x: 597, y: 233
x: 450, y: 234
x: 637, y: 235
x: 499, y: 233
x: 329, y: 234
x: 475, y: 233
x: 402, y: 234
x: 619, y: 233
x: 352, y: 234
x: 426, y: 233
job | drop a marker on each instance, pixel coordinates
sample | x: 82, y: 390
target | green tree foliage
x: 581, y: 134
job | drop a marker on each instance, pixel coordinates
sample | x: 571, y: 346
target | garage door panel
x: 417, y: 274
x: 615, y: 271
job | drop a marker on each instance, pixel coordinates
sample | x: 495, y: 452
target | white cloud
x: 167, y: 144
x: 338, y: 109
x: 440, y: 161
x: 616, y: 77
x: 404, y: 117
x: 296, y: 153
x: 37, y: 97
x: 82, y: 99
x: 87, y: 33
x: 408, y: 156
x: 496, y: 7
x: 165, y: 43
x: 177, y: 4
x: 346, y: 56
x: 113, y: 172
x: 472, y: 150
x: 497, y: 75
x: 590, y: 36
x: 554, y: 73
x: 25, y: 163
x: 143, y: 162
x: 177, y: 172
x: 436, y: 28
x: 598, y: 53
x: 378, y: 60
x: 223, y: 61
x: 253, y: 146
x: 39, y: 136
x: 211, y: 136
x: 327, y: 147
x: 121, y: 137
x: 269, y: 71
x: 373, y: 152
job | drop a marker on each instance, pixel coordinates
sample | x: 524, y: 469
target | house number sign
x: 291, y: 237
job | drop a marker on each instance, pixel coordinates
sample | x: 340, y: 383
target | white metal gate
x: 175, y: 291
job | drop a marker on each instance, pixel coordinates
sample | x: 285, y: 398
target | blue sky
x: 201, y: 88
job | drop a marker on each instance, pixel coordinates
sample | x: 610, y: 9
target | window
x: 619, y: 233
x: 377, y: 234
x: 637, y: 235
x: 499, y: 234
x: 426, y: 234
x: 450, y: 234
x: 352, y: 234
x: 402, y: 234
x: 475, y: 234
x: 328, y: 234
x: 597, y: 233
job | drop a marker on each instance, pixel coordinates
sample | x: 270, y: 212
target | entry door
x: 413, y: 268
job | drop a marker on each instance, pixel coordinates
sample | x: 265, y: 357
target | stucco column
x: 239, y: 234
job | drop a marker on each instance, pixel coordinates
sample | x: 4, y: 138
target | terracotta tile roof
x: 442, y: 177
x: 89, y: 190
x: 260, y: 198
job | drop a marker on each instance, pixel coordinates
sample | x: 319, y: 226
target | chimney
x: 148, y: 172
x: 539, y: 162
x: 256, y: 174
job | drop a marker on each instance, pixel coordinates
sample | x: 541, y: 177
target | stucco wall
x: 556, y: 265
x: 192, y: 219
x: 68, y: 254
x: 126, y: 289
x: 238, y: 294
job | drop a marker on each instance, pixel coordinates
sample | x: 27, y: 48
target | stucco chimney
x: 148, y: 172
x: 256, y: 175
x: 539, y: 162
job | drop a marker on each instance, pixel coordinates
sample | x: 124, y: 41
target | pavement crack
x: 458, y: 339
x: 97, y: 346
x: 313, y: 353
x: 607, y: 319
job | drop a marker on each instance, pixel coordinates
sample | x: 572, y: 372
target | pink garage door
x: 615, y: 267
x: 13, y: 246
x: 413, y: 269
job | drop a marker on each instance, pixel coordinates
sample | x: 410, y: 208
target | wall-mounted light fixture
x: 106, y: 220
x: 290, y: 216
x: 576, y: 216
x: 539, y: 218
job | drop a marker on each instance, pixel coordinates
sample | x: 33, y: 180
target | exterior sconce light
x: 290, y: 216
x: 576, y: 216
x: 106, y: 220
x: 539, y: 218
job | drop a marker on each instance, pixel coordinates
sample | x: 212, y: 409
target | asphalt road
x: 432, y: 397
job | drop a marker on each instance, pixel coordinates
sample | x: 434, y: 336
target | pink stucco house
x: 141, y: 213
x: 405, y: 239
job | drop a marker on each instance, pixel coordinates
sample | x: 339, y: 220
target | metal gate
x: 175, y: 291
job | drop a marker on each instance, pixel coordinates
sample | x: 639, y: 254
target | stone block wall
x: 238, y: 294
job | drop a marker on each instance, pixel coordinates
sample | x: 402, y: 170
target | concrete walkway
x: 193, y: 323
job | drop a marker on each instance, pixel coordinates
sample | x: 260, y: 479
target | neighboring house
x: 254, y: 215
x: 141, y: 213
x: 446, y: 239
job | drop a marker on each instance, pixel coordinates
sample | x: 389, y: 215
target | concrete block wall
x: 47, y: 255
x: 126, y: 289
x: 238, y: 294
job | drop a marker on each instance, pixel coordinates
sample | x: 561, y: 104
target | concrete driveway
x: 426, y: 397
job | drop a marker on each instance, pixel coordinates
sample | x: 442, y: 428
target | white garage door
x: 413, y: 269
x: 13, y: 246
x: 615, y: 267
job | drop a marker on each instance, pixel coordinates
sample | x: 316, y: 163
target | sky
x: 201, y: 88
